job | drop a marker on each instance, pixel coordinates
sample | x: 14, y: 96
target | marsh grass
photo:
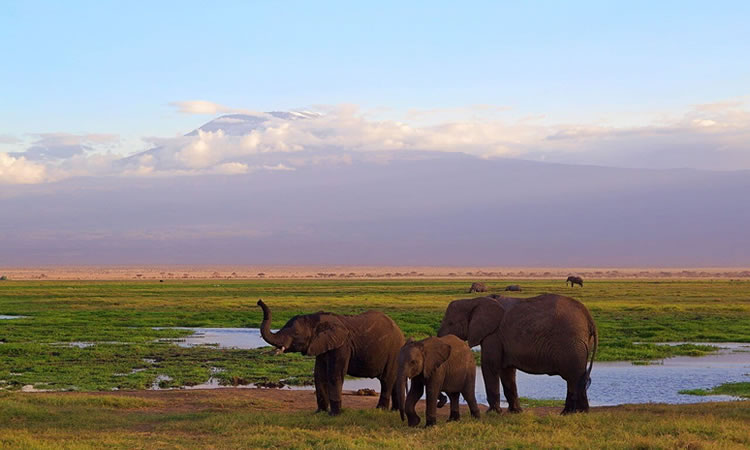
x: 740, y: 389
x: 120, y: 317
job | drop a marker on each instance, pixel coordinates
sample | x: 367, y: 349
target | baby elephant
x: 441, y: 364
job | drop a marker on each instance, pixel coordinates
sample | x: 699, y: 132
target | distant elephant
x: 573, y: 280
x: 547, y: 334
x: 364, y: 345
x: 513, y: 287
x: 477, y: 287
x: 443, y: 364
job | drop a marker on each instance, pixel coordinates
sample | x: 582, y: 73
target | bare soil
x: 188, y: 272
x: 268, y: 400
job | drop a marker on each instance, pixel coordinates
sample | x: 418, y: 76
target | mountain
x: 417, y: 209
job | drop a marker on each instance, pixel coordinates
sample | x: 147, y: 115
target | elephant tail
x: 595, y: 334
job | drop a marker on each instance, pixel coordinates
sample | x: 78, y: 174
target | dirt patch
x: 265, y: 400
x: 165, y: 274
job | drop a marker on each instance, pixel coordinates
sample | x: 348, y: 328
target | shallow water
x: 613, y: 383
x: 223, y: 338
x: 4, y: 317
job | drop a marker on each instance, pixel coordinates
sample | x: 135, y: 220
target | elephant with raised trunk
x: 364, y: 345
x: 443, y: 364
x: 548, y: 334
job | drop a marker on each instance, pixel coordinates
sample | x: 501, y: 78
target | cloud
x: 20, y: 171
x: 60, y: 146
x: 8, y: 139
x: 205, y: 107
x: 711, y: 136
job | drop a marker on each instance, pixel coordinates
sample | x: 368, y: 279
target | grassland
x: 239, y: 419
x: 120, y: 318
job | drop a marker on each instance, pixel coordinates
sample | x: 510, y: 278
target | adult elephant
x: 477, y: 287
x: 548, y: 334
x: 573, y: 280
x: 364, y: 345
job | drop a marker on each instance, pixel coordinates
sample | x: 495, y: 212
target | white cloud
x: 713, y: 136
x: 20, y: 171
x: 206, y: 107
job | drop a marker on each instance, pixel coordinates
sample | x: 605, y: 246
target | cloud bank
x: 712, y: 136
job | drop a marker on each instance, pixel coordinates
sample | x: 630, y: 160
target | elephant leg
x: 469, y: 394
x: 386, y: 390
x: 455, y: 411
x: 415, y: 393
x: 582, y: 400
x: 491, y: 376
x: 338, y: 362
x: 432, y: 397
x: 321, y: 385
x: 394, y: 397
x: 571, y: 398
x: 508, y: 378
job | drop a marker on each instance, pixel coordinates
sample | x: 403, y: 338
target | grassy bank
x: 119, y: 317
x: 238, y: 420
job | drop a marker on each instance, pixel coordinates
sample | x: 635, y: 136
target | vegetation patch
x: 741, y: 389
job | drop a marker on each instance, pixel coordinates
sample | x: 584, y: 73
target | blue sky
x: 114, y: 67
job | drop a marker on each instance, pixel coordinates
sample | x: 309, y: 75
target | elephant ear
x: 326, y: 337
x: 485, y: 319
x: 435, y: 353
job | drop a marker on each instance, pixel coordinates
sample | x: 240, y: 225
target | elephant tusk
x: 280, y: 350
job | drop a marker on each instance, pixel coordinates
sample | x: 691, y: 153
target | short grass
x: 120, y: 317
x: 741, y: 389
x: 66, y: 421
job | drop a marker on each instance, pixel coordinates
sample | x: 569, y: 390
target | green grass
x: 231, y: 421
x: 741, y: 389
x: 631, y: 315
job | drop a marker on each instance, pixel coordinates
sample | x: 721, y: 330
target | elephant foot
x: 515, y: 410
x: 454, y: 417
x: 431, y: 421
x: 321, y: 410
x: 335, y: 408
x: 414, y: 421
x: 495, y: 409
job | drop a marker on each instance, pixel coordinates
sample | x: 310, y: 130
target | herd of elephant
x: 547, y: 334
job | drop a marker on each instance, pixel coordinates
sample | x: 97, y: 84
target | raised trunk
x: 265, y: 326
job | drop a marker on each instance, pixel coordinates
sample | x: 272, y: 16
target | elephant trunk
x: 265, y: 327
x: 401, y: 395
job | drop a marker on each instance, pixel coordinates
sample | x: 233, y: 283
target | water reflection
x: 613, y: 383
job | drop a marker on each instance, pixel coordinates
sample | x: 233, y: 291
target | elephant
x: 573, y: 280
x: 440, y: 364
x: 513, y: 287
x: 477, y: 287
x: 364, y: 345
x: 547, y: 334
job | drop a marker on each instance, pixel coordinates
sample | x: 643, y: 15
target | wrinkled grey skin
x: 442, y: 364
x: 548, y: 334
x: 573, y: 280
x: 514, y: 288
x: 365, y: 345
x: 477, y: 287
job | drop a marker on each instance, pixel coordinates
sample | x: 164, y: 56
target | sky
x: 117, y: 67
x: 107, y: 94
